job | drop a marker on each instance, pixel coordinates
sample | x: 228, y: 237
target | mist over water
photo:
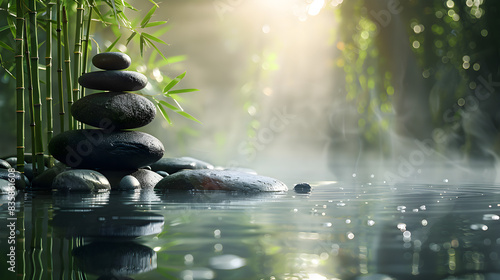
x: 274, y: 97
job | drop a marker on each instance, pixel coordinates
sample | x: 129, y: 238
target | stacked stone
x: 110, y: 147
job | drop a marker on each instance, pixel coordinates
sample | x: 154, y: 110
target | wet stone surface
x: 81, y: 180
x: 118, y: 109
x: 206, y: 179
x: 96, y: 148
x: 113, y: 80
x: 111, y: 61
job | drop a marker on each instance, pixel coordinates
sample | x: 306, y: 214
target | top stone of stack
x: 111, y: 61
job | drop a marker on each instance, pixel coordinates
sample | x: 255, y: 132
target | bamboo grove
x: 37, y: 25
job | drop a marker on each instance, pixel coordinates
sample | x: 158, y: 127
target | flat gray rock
x: 172, y: 165
x: 81, y: 180
x: 113, y: 80
x: 97, y: 148
x: 119, y: 109
x: 206, y: 179
x: 111, y: 61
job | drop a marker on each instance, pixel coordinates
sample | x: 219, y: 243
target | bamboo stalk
x: 30, y: 97
x: 60, y: 66
x: 86, y: 44
x: 36, y: 88
x: 20, y: 113
x: 77, y: 54
x: 67, y: 61
x: 48, y: 77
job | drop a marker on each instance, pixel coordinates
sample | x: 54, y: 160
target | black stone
x: 111, y: 61
x: 147, y: 179
x: 81, y: 180
x: 44, y: 180
x: 302, y: 188
x: 5, y: 164
x: 20, y: 180
x: 113, y: 80
x: 118, y: 109
x: 206, y: 179
x: 129, y: 182
x: 172, y: 165
x: 162, y: 173
x: 97, y: 148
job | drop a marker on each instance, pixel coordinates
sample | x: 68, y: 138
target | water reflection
x: 338, y: 231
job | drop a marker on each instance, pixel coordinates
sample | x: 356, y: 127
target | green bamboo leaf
x: 186, y: 115
x: 156, y: 48
x: 168, y: 105
x: 148, y: 16
x: 5, y: 28
x: 154, y: 3
x: 171, y: 59
x: 113, y: 44
x: 141, y: 45
x: 162, y: 30
x: 164, y: 113
x: 155, y: 23
x: 174, y: 82
x: 128, y: 6
x: 151, y: 37
x: 182, y: 90
x: 5, y: 46
x: 131, y: 37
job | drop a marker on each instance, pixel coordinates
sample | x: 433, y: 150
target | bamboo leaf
x: 131, y: 37
x: 174, y: 82
x: 182, y: 90
x: 141, y: 45
x: 155, y: 23
x: 156, y: 48
x: 156, y: 39
x: 186, y: 115
x: 154, y: 3
x: 168, y: 105
x: 113, y: 44
x: 5, y: 46
x: 148, y: 16
x: 5, y: 27
x: 163, y: 113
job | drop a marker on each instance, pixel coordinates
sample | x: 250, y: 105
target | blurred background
x: 309, y: 90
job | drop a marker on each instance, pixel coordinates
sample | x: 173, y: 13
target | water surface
x: 338, y: 231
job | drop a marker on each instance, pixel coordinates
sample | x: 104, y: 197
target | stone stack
x: 110, y: 147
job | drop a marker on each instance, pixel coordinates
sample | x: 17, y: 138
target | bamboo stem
x: 20, y: 113
x: 86, y: 44
x: 36, y: 88
x: 60, y: 66
x: 77, y: 54
x: 48, y: 77
x: 30, y: 97
x: 67, y: 61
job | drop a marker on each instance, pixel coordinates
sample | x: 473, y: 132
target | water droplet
x: 350, y: 235
x: 479, y: 227
x: 424, y: 222
x: 217, y: 233
x: 445, y: 180
x: 227, y: 262
x: 348, y: 221
x: 491, y: 217
x: 327, y: 224
x: 371, y: 222
x: 402, y: 226
x: 354, y: 175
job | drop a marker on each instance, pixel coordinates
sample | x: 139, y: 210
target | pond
x: 338, y: 231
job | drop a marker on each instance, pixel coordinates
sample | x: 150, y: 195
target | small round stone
x: 162, y: 173
x: 129, y: 182
x: 302, y: 188
x: 111, y: 61
x: 113, y: 80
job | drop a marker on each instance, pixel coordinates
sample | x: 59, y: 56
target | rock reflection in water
x: 115, y: 258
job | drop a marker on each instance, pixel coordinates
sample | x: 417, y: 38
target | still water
x: 338, y: 231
